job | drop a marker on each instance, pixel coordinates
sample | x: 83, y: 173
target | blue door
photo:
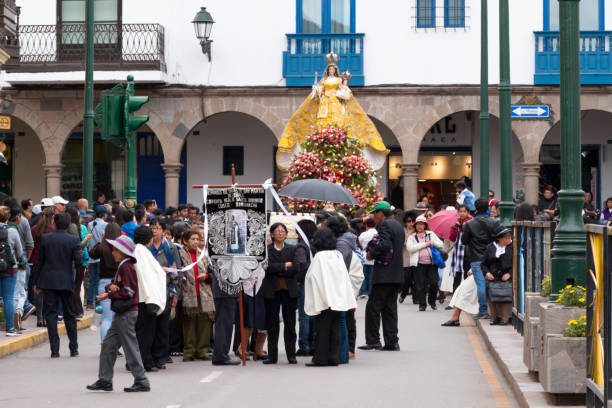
x: 151, y: 183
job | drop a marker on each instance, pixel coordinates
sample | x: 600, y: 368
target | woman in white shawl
x: 329, y: 290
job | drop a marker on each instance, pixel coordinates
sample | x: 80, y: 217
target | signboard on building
x: 5, y: 122
x: 530, y: 111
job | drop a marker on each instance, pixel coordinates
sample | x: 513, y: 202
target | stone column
x: 172, y: 170
x: 532, y: 181
x: 410, y: 174
x: 53, y: 176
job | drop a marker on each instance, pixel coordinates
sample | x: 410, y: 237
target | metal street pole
x: 484, y: 101
x: 506, y: 205
x: 88, y: 116
x: 569, y: 245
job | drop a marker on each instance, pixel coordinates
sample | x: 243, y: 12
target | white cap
x: 46, y: 202
x: 36, y: 209
x: 59, y: 200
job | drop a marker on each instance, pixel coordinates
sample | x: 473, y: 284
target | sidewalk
x: 33, y: 335
x: 506, y: 346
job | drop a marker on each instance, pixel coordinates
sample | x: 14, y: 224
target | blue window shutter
x: 546, y: 12
x: 602, y: 15
x: 454, y: 13
x: 426, y: 13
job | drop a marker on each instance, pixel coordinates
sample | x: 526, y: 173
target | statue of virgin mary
x: 331, y: 103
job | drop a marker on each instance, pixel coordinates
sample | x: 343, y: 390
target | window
x: 454, y: 13
x: 325, y: 17
x: 71, y: 17
x: 592, y: 17
x: 426, y: 13
x: 233, y: 155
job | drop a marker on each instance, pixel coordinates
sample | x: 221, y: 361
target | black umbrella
x: 320, y: 190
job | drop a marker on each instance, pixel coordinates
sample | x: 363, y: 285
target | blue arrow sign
x: 530, y: 111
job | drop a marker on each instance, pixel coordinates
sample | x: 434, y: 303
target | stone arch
x: 32, y: 119
x: 57, y: 142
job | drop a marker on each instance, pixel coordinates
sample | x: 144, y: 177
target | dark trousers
x: 351, y: 325
x: 225, y: 311
x: 288, y: 305
x: 175, y: 327
x: 327, y: 343
x: 161, y: 344
x: 426, y: 281
x: 459, y: 277
x: 145, y: 333
x: 77, y: 305
x: 382, y: 303
x: 408, y: 282
x: 51, y: 299
x: 196, y: 332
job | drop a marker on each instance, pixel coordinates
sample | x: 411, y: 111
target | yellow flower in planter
x: 568, y: 286
x: 558, y: 300
x: 573, y: 322
x: 582, y: 318
x: 581, y: 300
x: 572, y: 291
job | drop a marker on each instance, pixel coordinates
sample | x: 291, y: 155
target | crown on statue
x: 332, y: 58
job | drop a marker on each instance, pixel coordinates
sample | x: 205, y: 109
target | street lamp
x: 203, y: 23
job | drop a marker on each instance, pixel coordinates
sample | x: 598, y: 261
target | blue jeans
x: 20, y: 294
x: 481, y: 286
x: 7, y: 290
x: 92, y: 289
x: 303, y: 323
x: 107, y: 313
x: 366, y: 286
x: 344, y: 343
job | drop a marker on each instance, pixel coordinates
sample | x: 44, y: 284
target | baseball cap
x: 46, y: 202
x: 381, y: 205
x: 36, y: 209
x: 59, y: 200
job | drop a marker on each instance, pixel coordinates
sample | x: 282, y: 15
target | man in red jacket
x: 123, y: 292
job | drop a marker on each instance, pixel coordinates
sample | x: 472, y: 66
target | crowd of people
x: 159, y: 299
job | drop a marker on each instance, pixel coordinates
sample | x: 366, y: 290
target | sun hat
x: 59, y: 200
x: 381, y: 205
x: 123, y: 244
x: 421, y: 207
x: 421, y: 218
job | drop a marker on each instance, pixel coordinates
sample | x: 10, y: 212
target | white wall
x: 249, y: 38
x: 205, y: 151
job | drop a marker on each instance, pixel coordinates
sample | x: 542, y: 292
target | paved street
x: 437, y: 367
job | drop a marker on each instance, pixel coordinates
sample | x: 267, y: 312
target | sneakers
x: 401, y: 298
x: 12, y: 332
x: 27, y: 312
x: 17, y: 320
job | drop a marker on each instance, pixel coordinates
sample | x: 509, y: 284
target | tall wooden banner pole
x: 240, y: 305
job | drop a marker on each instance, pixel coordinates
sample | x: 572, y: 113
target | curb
x: 516, y: 389
x: 38, y: 336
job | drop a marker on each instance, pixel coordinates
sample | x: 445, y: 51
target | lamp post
x: 88, y: 115
x: 484, y: 101
x: 569, y: 245
x: 506, y: 205
x: 203, y: 23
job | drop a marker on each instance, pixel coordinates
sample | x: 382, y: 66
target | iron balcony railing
x: 599, y: 313
x: 305, y: 55
x: 532, y: 262
x: 595, y: 57
x: 50, y: 48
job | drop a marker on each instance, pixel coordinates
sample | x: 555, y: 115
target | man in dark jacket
x: 58, y: 251
x: 477, y: 235
x: 386, y: 280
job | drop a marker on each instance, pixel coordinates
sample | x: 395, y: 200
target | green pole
x: 88, y: 116
x: 569, y: 245
x: 506, y: 205
x: 484, y: 101
x: 130, y: 151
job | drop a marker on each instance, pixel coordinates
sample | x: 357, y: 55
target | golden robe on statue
x: 331, y: 103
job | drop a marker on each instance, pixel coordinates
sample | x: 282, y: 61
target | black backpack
x: 7, y: 258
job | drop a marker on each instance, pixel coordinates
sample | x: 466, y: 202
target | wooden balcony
x: 117, y: 47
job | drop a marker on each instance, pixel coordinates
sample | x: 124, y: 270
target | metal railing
x: 48, y: 48
x: 532, y: 262
x: 595, y: 57
x: 599, y: 313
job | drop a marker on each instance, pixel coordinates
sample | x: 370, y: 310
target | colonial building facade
x: 415, y: 66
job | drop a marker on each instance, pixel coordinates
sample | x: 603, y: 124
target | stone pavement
x: 436, y: 367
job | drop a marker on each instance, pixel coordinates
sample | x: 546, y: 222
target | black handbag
x: 500, y: 291
x: 121, y: 305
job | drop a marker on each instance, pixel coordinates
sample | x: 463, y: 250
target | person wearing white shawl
x: 152, y: 294
x: 329, y: 290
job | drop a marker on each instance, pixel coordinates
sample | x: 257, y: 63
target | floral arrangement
x: 331, y: 155
x: 576, y: 328
x: 572, y: 296
x: 546, y: 287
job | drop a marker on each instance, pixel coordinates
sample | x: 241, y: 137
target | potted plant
x: 563, y: 356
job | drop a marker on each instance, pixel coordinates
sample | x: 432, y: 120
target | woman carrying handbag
x: 497, y: 268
